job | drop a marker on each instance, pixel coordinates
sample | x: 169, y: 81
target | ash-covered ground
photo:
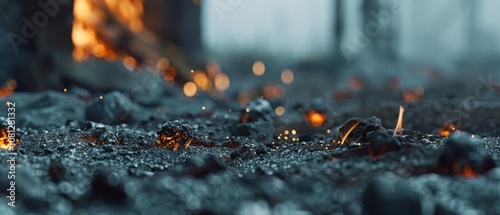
x: 84, y: 155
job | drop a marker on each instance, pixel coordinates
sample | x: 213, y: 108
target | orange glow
x: 279, y: 110
x: 88, y: 16
x: 399, y: 126
x: 129, y: 63
x: 447, y: 129
x: 162, y: 64
x: 244, y: 97
x: 468, y: 172
x: 273, y: 91
x: 356, y: 83
x: 287, y: 76
x: 315, y: 118
x: 190, y: 89
x: 4, y: 139
x: 221, y: 82
x: 201, y: 80
x: 8, y: 90
x: 169, y: 74
x: 413, y: 95
x: 258, y: 68
x: 349, y: 132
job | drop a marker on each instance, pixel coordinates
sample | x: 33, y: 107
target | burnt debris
x: 361, y: 130
x: 463, y: 156
x: 257, y: 110
x: 174, y: 135
x: 382, y: 142
x: 111, y: 108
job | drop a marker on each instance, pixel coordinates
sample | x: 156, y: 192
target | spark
x: 349, y: 132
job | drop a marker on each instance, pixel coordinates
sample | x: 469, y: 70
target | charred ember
x: 359, y: 130
x: 381, y: 143
x: 462, y: 156
x: 257, y: 110
x: 174, y: 135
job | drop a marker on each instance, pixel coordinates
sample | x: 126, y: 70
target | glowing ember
x: 4, y: 136
x: 162, y: 64
x: 190, y: 89
x: 315, y: 118
x: 273, y: 91
x: 88, y: 17
x: 258, y: 68
x: 287, y: 76
x: 8, y: 89
x: 201, y: 80
x: 279, y: 110
x: 174, y: 135
x: 356, y: 83
x: 447, y: 129
x: 413, y: 95
x: 348, y: 132
x: 399, y: 126
x: 169, y: 74
x: 221, y: 82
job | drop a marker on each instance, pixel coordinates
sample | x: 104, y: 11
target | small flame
x: 349, y: 132
x: 399, y: 126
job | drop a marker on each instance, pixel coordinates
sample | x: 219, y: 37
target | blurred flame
x: 287, y: 76
x: 8, y: 89
x: 221, y: 82
x: 280, y: 110
x: 190, y: 89
x: 273, y: 91
x: 201, y: 80
x: 356, y: 83
x: 162, y: 64
x: 87, y: 16
x: 244, y: 97
x: 413, y: 95
x: 258, y: 68
x: 447, y: 128
x: 315, y: 118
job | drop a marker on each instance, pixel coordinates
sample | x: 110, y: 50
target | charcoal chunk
x: 201, y: 167
x: 257, y: 110
x: 108, y: 186
x: 56, y: 171
x: 389, y: 196
x: 363, y: 128
x: 381, y: 143
x: 174, y: 135
x: 114, y: 108
x: 462, y: 156
x: 107, y: 138
x: 261, y: 130
x: 244, y: 153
